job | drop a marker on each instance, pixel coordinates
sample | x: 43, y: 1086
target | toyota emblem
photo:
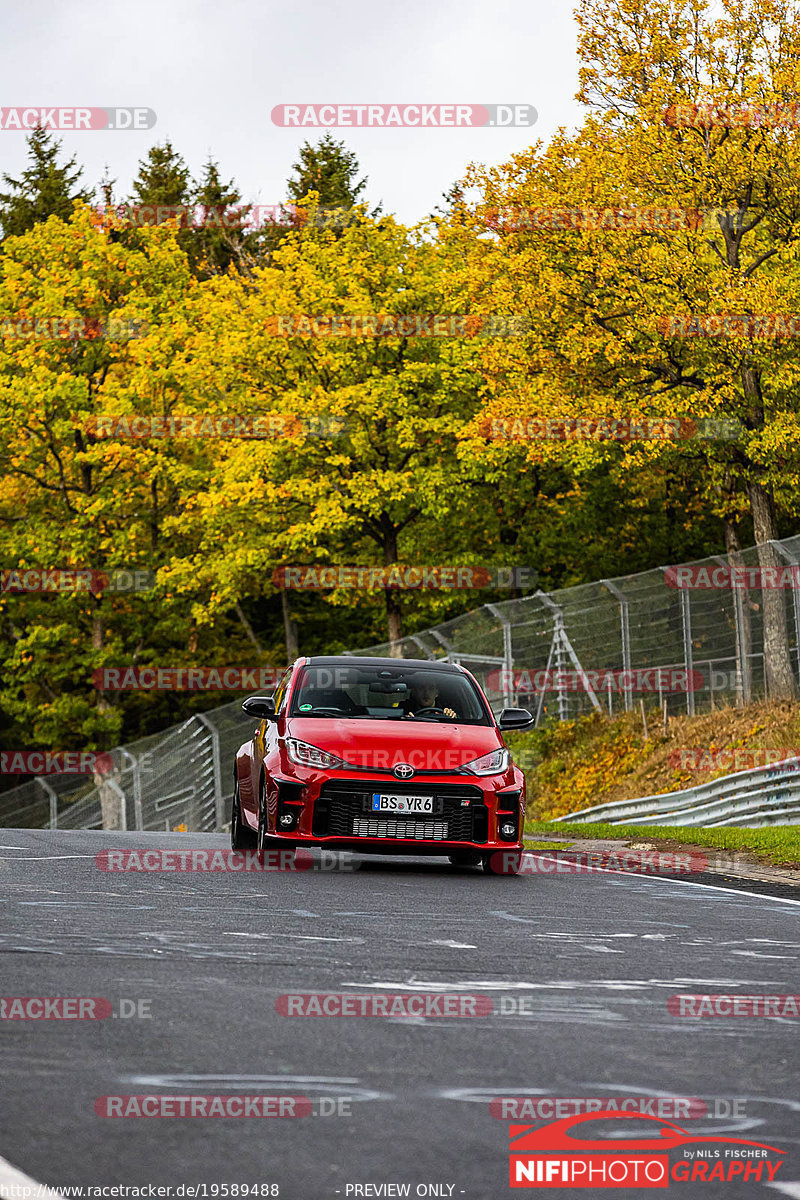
x: 404, y: 771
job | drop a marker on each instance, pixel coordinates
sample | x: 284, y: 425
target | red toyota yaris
x: 382, y: 756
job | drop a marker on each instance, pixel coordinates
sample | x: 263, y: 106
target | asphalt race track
x: 593, y: 958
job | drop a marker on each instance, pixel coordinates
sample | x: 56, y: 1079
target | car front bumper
x: 333, y: 809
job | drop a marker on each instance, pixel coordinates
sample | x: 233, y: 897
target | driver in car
x: 423, y: 695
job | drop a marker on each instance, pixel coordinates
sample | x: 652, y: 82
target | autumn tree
x: 598, y: 297
x: 73, y: 302
x: 365, y: 472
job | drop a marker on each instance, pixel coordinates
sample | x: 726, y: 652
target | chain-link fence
x: 688, y: 637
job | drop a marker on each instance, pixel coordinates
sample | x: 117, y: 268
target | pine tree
x: 329, y: 169
x: 164, y: 182
x: 46, y: 189
x: 219, y: 239
x: 163, y: 177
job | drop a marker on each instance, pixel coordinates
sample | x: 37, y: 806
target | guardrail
x: 762, y: 796
x: 181, y: 779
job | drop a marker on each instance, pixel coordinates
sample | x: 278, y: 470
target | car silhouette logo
x: 404, y: 771
x: 555, y: 1138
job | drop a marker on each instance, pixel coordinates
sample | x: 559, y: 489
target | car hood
x: 381, y: 745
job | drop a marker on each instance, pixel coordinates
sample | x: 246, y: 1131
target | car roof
x: 355, y: 660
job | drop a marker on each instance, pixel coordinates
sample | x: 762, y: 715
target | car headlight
x: 306, y: 755
x: 494, y: 763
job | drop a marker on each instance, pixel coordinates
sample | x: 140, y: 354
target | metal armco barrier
x: 763, y: 796
x: 601, y: 646
x: 181, y: 779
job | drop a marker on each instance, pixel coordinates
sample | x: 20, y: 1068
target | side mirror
x: 260, y: 707
x: 515, y: 718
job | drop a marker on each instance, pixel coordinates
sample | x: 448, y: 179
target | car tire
x: 242, y: 836
x: 465, y: 858
x: 502, y: 862
x: 262, y: 836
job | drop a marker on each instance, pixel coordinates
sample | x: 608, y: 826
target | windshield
x: 390, y: 693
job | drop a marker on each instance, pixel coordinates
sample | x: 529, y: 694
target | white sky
x: 214, y: 69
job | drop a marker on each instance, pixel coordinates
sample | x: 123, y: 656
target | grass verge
x: 777, y: 846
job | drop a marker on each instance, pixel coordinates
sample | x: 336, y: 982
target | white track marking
x: 13, y: 1181
x: 686, y: 883
x: 48, y: 857
x: 786, y: 1189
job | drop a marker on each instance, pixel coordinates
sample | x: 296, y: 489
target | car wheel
x: 242, y: 836
x: 502, y: 862
x: 261, y: 839
x: 465, y: 858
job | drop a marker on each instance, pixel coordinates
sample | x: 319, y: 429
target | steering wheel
x: 431, y: 708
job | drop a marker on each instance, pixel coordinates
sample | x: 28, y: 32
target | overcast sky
x: 214, y: 69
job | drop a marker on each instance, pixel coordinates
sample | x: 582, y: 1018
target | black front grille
x: 343, y: 809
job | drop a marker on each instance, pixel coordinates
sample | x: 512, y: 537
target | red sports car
x: 382, y: 756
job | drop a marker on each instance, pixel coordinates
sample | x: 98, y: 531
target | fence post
x: 219, y: 800
x: 790, y: 558
x: 742, y: 666
x: 625, y: 639
x: 53, y: 798
x: 686, y: 621
x: 743, y: 689
x: 137, y: 807
x: 508, y: 657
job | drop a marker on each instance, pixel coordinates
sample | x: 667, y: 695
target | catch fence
x: 603, y: 646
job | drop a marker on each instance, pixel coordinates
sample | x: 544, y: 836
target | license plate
x: 401, y: 804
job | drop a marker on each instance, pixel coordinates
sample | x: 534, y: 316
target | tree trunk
x: 394, y: 620
x: 289, y: 629
x: 98, y: 638
x: 111, y: 800
x: 248, y: 628
x: 779, y: 679
x: 394, y: 609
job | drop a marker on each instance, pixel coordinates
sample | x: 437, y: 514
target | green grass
x: 779, y: 845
